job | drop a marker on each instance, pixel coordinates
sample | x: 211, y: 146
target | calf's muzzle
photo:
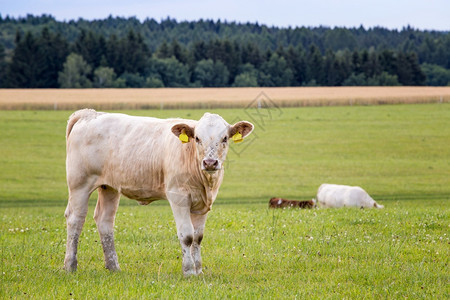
x: 211, y: 164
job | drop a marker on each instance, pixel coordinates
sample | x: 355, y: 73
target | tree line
x: 52, y: 57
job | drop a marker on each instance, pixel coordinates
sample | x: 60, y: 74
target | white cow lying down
x: 145, y: 159
x: 333, y: 195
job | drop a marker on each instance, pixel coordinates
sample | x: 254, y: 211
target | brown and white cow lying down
x: 333, y: 195
x: 282, y: 203
x: 145, y: 159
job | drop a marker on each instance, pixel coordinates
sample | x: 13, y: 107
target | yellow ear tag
x: 237, y: 137
x: 183, y: 137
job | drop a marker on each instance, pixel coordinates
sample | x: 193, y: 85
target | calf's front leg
x: 185, y: 231
x: 198, y: 221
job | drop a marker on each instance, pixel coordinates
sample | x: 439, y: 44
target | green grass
x: 399, y: 154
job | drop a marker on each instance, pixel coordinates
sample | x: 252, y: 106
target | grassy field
x: 398, y: 153
x: 207, y: 98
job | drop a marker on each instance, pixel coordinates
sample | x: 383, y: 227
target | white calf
x: 145, y: 159
x: 333, y: 195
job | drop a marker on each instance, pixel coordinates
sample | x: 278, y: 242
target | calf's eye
x: 225, y: 139
x: 197, y: 139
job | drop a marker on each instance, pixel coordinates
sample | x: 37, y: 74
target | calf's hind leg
x: 104, y: 215
x: 75, y: 216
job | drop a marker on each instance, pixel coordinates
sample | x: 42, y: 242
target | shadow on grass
x: 23, y: 203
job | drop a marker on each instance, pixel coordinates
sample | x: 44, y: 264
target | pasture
x: 398, y: 153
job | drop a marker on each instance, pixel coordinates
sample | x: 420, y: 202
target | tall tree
x: 135, y: 54
x: 75, y: 73
x: 164, y: 51
x: 436, y: 75
x: 91, y: 47
x: 245, y: 80
x: 113, y: 54
x: 179, y: 52
x: 105, y: 77
x: 275, y: 72
x: 171, y: 72
x: 53, y: 50
x: 211, y: 74
x: 418, y: 77
x: 247, y: 76
x: 199, y: 50
x: 331, y: 68
x: 315, y: 65
x: 26, y: 65
x: 296, y: 61
x: 3, y: 66
x: 251, y: 54
x: 356, y: 63
x: 225, y: 52
x: 408, y: 69
x: 388, y: 61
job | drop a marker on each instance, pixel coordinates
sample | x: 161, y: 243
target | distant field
x: 182, y: 98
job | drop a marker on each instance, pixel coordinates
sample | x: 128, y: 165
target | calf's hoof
x: 70, y: 267
x: 113, y: 267
x: 189, y: 273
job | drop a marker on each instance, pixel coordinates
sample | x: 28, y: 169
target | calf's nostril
x: 210, y: 164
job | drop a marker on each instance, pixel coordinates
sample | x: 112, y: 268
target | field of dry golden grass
x: 169, y: 98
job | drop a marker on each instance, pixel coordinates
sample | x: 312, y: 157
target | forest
x: 42, y: 52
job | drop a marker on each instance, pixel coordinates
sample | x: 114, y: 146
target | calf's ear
x: 240, y: 130
x: 183, y: 132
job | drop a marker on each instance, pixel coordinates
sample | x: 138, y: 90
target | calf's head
x: 211, y: 137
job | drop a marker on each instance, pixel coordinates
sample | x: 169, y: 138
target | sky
x: 392, y: 14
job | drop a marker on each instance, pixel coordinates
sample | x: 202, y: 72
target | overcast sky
x: 392, y: 14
